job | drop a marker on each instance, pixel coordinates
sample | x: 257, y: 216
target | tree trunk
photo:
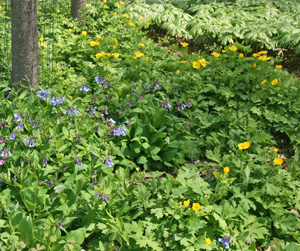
x: 24, y: 39
x: 76, y: 5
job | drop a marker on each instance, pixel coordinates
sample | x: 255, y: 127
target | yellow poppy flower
x: 42, y: 39
x: 88, y: 5
x: 278, y: 161
x: 184, y: 44
x: 142, y: 45
x: 141, y: 18
x: 264, y: 58
x: 208, y: 241
x: 196, y: 64
x: 216, y: 54
x: 116, y: 40
x: 58, y: 11
x: 241, y: 55
x: 43, y: 45
x: 139, y: 54
x: 70, y: 30
x: 202, y: 62
x: 97, y: 42
x: 233, y: 48
x: 125, y: 15
x: 223, y: 51
x: 245, y: 145
x: 183, y: 61
x: 122, y: 3
x: 279, y: 66
x: 116, y: 55
x: 196, y: 206
x: 264, y: 81
x: 178, y: 71
x: 114, y: 47
x: 93, y: 43
x: 255, y: 55
x: 226, y: 169
x: 275, y: 150
x: 115, y: 13
x: 131, y: 24
x: 275, y: 81
x: 84, y: 33
x: 186, y: 203
x: 254, y: 65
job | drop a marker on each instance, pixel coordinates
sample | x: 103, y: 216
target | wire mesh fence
x: 27, y: 38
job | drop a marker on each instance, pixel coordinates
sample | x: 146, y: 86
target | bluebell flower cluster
x: 5, y: 154
x: 79, y: 163
x: 104, y: 197
x: 17, y: 117
x: 156, y: 86
x: 118, y: 131
x: 92, y: 109
x: 57, y: 101
x: 2, y: 162
x: 43, y: 94
x: 30, y: 143
x: 19, y: 126
x: 100, y: 80
x: 166, y: 105
x: 44, y: 162
x: 12, y: 136
x: 147, y: 86
x: 108, y: 162
x: 84, y: 88
x: 225, y: 241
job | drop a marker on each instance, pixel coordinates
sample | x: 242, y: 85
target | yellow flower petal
x: 278, y: 161
x: 184, y: 44
x: 216, y: 54
x: 208, y: 241
x: 275, y: 81
x: 245, y: 145
x: 226, y: 169
x: 186, y: 203
x: 264, y: 81
x: 196, y: 206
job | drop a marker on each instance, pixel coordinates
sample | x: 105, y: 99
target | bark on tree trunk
x: 76, y: 5
x: 24, y: 39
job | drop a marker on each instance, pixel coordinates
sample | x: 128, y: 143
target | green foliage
x: 264, y: 24
x: 149, y: 156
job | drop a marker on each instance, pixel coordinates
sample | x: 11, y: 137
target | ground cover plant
x: 128, y: 145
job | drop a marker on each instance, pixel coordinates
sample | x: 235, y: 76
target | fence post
x: 24, y: 43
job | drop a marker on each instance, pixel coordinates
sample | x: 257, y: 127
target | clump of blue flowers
x: 225, y: 241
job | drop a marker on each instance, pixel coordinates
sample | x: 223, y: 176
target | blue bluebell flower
x: 43, y: 94
x: 17, y: 117
x: 147, y: 86
x: 225, y: 241
x: 167, y: 104
x: 79, y: 163
x: 2, y: 162
x: 100, y: 80
x: 19, y: 126
x: 57, y: 101
x: 84, y: 88
x: 30, y: 143
x: 92, y: 109
x: 106, y: 85
x: 44, y: 162
x: 183, y: 106
x: 12, y: 136
x: 108, y: 162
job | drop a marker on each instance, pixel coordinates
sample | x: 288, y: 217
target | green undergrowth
x: 128, y: 145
